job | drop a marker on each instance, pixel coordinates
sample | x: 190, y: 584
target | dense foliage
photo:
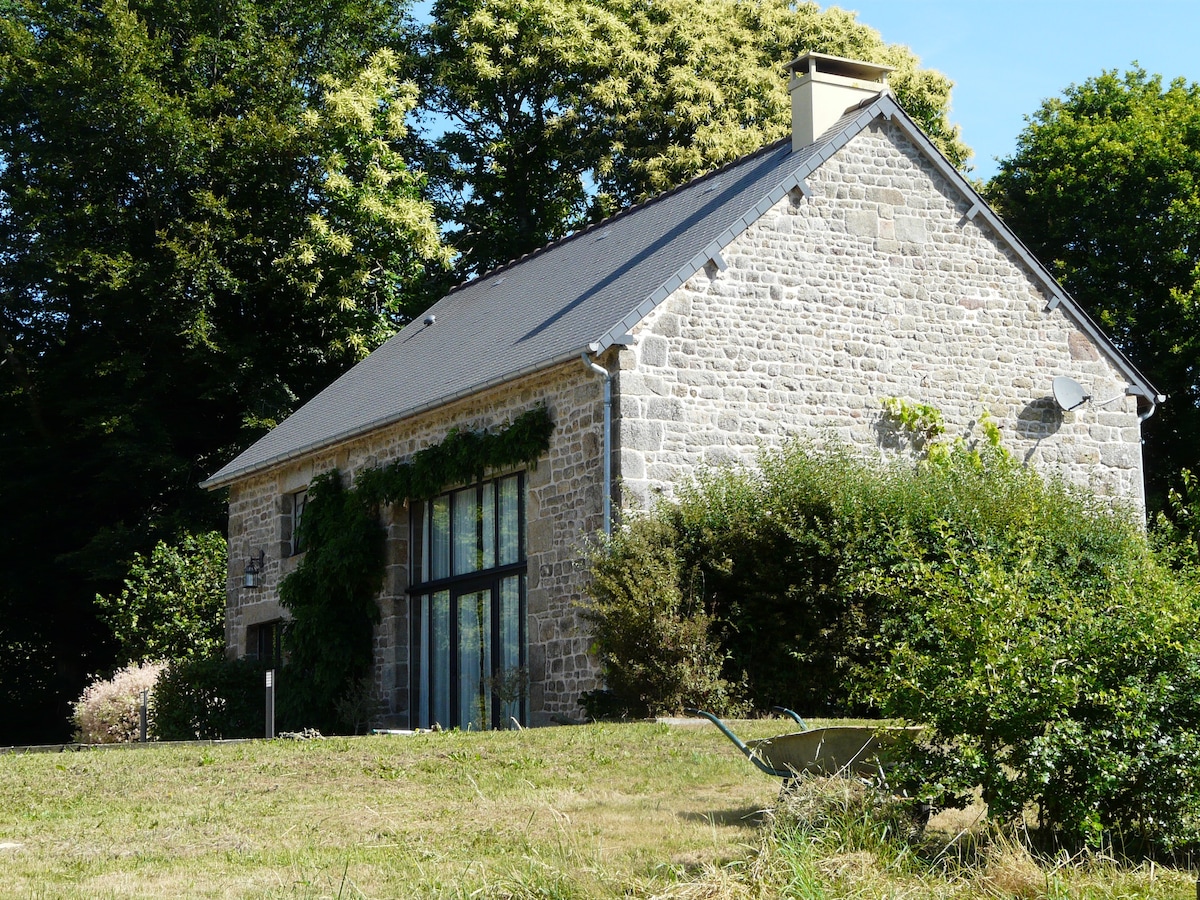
x: 173, y: 602
x: 652, y: 634
x: 1068, y: 689
x: 331, y: 595
x: 545, y: 114
x: 1178, y: 527
x: 209, y: 698
x: 1104, y: 187
x: 1052, y: 655
x: 204, y: 217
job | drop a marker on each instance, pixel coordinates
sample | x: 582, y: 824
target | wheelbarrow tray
x: 862, y: 750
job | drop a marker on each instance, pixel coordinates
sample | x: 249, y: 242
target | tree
x: 522, y: 84
x: 561, y: 112
x: 1104, y: 187
x: 172, y: 606
x: 707, y: 85
x: 204, y: 218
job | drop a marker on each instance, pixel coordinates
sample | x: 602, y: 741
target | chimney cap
x: 825, y: 64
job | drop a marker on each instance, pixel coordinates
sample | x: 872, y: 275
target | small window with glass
x: 468, y: 610
x: 295, y: 518
x: 264, y: 642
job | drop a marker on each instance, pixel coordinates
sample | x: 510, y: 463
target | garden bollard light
x: 270, y: 704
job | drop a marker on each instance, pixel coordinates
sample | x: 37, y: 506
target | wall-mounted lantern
x: 252, y: 575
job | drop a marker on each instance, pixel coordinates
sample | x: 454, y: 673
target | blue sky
x: 1006, y: 57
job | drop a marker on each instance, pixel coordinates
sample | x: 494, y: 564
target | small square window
x: 264, y: 642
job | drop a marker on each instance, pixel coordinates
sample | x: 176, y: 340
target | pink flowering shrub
x: 108, y: 711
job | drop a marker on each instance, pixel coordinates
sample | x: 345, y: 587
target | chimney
x: 824, y: 87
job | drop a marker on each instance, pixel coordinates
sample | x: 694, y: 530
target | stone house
x: 786, y: 293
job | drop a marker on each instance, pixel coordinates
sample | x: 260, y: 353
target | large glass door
x: 474, y: 660
x: 469, y: 668
x: 468, y: 611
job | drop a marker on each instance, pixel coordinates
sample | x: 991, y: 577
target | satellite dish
x: 1069, y: 393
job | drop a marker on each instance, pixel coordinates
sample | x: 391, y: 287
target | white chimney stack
x: 824, y: 87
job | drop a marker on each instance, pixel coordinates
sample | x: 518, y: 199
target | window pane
x: 512, y: 679
x: 420, y: 710
x: 299, y: 499
x: 510, y: 521
x: 510, y: 622
x: 420, y: 544
x: 466, y: 531
x: 439, y: 659
x: 439, y: 539
x: 474, y: 660
x: 488, y: 529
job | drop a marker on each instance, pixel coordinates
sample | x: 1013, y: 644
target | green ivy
x: 463, y: 457
x: 331, y: 595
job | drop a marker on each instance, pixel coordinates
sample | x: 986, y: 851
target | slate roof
x: 584, y: 293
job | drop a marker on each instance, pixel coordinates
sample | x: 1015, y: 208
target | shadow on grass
x: 743, y: 817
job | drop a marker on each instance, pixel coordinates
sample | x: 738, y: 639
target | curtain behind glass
x: 474, y: 660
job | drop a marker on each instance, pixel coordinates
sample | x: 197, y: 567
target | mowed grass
x: 587, y: 811
x: 596, y: 811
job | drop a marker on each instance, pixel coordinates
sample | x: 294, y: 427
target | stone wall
x: 563, y: 507
x: 876, y: 286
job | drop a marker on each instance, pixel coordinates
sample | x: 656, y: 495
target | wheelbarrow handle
x: 740, y: 744
x: 791, y: 714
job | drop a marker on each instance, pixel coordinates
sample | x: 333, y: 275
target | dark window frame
x: 299, y: 499
x: 490, y: 581
x: 264, y: 642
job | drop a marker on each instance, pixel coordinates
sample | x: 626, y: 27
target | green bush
x: 770, y: 550
x: 1076, y: 703
x: 1052, y: 652
x: 209, y: 698
x: 173, y: 602
x: 652, y: 635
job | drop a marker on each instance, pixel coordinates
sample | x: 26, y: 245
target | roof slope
x: 583, y: 293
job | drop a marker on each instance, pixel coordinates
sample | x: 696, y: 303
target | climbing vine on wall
x: 331, y: 595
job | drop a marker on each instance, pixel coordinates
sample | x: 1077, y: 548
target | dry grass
x: 586, y: 811
x: 600, y: 811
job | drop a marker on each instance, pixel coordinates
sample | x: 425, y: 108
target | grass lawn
x: 597, y: 811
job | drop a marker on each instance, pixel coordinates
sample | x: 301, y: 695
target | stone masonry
x: 876, y: 286
x: 563, y: 507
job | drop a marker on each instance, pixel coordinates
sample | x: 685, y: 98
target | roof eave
x: 809, y: 159
x: 225, y: 478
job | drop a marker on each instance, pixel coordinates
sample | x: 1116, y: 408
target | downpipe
x: 608, y: 378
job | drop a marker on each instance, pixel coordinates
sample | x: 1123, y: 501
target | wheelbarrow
x: 864, y: 751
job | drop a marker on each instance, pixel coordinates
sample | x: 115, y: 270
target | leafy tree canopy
x: 1104, y: 187
x: 204, y: 217
x: 173, y: 603
x: 560, y: 112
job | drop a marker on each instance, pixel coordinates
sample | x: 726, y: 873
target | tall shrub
x: 173, y: 602
x: 1077, y: 703
x: 770, y: 549
x: 1051, y: 652
x: 652, y: 634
